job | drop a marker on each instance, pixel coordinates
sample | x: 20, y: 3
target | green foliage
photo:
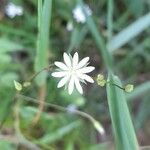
x: 28, y: 43
x: 6, y: 145
x: 8, y: 46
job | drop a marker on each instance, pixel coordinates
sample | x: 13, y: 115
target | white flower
x: 79, y: 15
x: 13, y: 10
x: 72, y: 72
x: 69, y: 26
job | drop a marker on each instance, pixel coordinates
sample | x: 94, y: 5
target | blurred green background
x: 28, y: 44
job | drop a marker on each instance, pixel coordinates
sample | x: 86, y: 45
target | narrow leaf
x: 44, y: 17
x: 121, y: 120
x: 129, y: 33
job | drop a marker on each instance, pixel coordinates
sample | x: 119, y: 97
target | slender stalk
x: 21, y: 139
x: 37, y: 73
x: 116, y: 85
x: 96, y: 124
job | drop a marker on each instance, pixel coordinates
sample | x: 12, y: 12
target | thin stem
x: 21, y: 139
x: 61, y: 108
x: 116, y: 85
x: 37, y: 73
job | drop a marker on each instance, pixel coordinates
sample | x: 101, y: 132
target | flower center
x: 72, y: 71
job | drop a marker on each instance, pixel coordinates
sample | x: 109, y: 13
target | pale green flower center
x: 72, y: 71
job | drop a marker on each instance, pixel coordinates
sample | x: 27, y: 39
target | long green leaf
x: 123, y: 128
x: 129, y: 33
x: 44, y: 16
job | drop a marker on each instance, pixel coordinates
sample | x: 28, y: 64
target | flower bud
x: 26, y: 84
x: 18, y: 86
x: 129, y: 88
x: 100, y: 77
x: 100, y: 80
x: 101, y: 83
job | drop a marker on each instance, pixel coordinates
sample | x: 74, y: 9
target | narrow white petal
x: 71, y: 85
x: 86, y: 69
x: 86, y: 77
x: 63, y: 81
x: 75, y: 59
x: 61, y: 65
x: 83, y: 62
x: 78, y: 86
x: 59, y: 74
x: 67, y: 59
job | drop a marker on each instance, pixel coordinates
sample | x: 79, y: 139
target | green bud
x: 100, y: 77
x: 26, y: 84
x: 129, y: 88
x: 101, y: 83
x: 17, y: 85
x: 101, y: 80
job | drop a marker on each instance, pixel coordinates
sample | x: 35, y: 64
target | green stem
x: 96, y: 124
x: 115, y: 85
x: 37, y: 73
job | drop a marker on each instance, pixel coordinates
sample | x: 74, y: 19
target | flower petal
x: 71, y: 85
x: 59, y: 74
x: 63, y: 81
x: 83, y: 62
x: 75, y: 59
x: 86, y: 77
x: 78, y: 86
x: 61, y: 65
x: 86, y: 69
x: 67, y: 59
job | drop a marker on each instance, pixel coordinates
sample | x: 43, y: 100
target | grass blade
x: 129, y: 33
x: 123, y: 128
x: 44, y: 16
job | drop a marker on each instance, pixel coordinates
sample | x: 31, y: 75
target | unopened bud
x: 26, y: 84
x: 18, y: 86
x: 101, y: 80
x: 129, y: 88
x: 100, y: 77
x: 101, y: 83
